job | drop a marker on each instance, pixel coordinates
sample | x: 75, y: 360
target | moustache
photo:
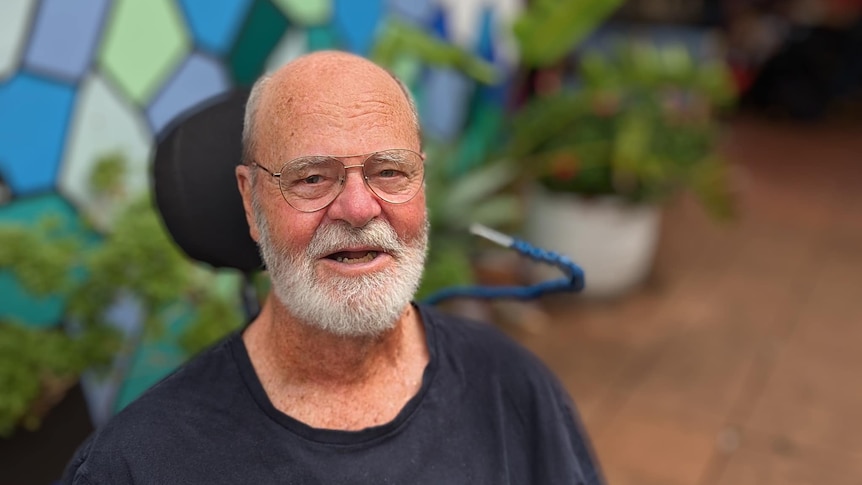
x: 339, y: 235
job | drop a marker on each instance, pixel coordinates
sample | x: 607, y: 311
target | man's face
x: 352, y: 267
x: 362, y: 304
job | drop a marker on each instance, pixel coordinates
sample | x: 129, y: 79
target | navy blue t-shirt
x: 488, y: 412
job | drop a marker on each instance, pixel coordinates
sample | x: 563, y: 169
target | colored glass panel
x: 33, y: 117
x: 488, y: 49
x: 306, y: 12
x: 446, y: 97
x: 480, y: 135
x: 408, y: 68
x: 198, y: 79
x: 462, y: 20
x: 357, y: 21
x: 15, y: 18
x: 485, y: 45
x: 420, y: 12
x: 499, y: 18
x: 261, y: 33
x: 215, y: 25
x: 293, y: 44
x: 153, y: 359
x: 439, y: 25
x: 151, y: 362
x: 104, y: 123
x: 320, y: 38
x: 144, y: 43
x: 64, y: 37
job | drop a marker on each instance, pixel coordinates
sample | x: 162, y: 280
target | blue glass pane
x: 64, y: 37
x: 445, y: 101
x: 420, y: 12
x: 440, y: 24
x: 357, y: 21
x: 214, y: 25
x: 487, y: 49
x: 199, y: 78
x: 33, y: 118
x: 485, y: 45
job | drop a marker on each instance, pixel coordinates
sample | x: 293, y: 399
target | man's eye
x: 313, y: 179
x: 388, y: 173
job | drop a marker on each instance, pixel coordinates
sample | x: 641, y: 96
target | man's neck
x: 332, y: 381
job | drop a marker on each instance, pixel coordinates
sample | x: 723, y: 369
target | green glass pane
x: 306, y: 12
x: 408, y: 68
x: 159, y: 355
x: 154, y: 359
x: 321, y: 38
x: 143, y: 43
x: 16, y: 303
x: 480, y: 137
x: 260, y: 34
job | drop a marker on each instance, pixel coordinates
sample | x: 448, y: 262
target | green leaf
x: 548, y: 30
x: 480, y: 183
x: 399, y: 39
x: 447, y: 266
x: 107, y: 174
x: 502, y: 210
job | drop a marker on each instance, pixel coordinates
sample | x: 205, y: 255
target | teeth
x: 368, y: 257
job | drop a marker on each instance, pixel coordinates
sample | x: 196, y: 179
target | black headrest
x: 195, y: 186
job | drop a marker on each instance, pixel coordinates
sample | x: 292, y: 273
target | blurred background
x: 699, y: 159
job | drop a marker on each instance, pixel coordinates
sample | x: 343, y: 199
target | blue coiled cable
x: 574, y: 280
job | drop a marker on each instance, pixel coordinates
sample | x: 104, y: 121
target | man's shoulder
x: 489, y: 372
x: 480, y: 351
x: 480, y: 339
x: 165, y: 419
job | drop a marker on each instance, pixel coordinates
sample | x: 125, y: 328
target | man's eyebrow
x: 388, y: 155
x: 307, y: 161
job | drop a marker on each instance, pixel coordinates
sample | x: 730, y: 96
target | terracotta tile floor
x: 740, y: 361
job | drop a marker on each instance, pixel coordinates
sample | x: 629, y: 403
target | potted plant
x: 603, y: 136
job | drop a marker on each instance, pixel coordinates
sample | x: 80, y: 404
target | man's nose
x: 356, y: 204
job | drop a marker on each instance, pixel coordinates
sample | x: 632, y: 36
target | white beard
x: 349, y: 306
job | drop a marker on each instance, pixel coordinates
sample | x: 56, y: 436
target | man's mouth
x: 353, y: 257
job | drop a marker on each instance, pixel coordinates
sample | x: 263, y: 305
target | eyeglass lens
x: 311, y: 183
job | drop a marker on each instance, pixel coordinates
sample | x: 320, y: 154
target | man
x: 340, y: 378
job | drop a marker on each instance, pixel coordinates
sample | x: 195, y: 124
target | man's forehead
x: 320, y: 70
x: 334, y: 107
x: 318, y: 88
x: 311, y: 101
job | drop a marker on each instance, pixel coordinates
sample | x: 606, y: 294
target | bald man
x: 341, y: 378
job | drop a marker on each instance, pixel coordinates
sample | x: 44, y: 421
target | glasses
x: 311, y: 183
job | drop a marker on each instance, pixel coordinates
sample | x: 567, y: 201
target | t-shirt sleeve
x: 561, y: 443
x: 543, y: 438
x: 74, y: 475
x: 581, y: 447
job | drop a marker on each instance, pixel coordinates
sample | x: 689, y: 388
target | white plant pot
x: 614, y: 242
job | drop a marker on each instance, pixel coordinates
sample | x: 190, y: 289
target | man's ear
x: 243, y: 182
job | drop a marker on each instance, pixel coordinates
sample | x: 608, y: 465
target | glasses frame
x: 343, y: 181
